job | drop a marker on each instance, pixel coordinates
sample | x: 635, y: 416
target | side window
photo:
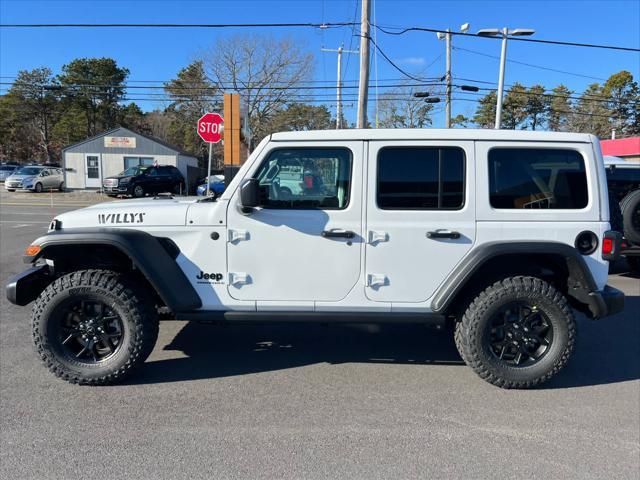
x: 152, y: 172
x: 303, y: 178
x: 420, y: 178
x: 537, y: 178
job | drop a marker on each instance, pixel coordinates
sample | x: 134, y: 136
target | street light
x: 505, y: 33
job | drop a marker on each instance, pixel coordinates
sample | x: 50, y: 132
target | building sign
x: 120, y: 142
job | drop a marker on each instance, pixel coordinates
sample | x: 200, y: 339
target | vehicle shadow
x: 607, y: 351
x: 215, y: 351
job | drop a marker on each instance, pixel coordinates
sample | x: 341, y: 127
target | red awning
x: 621, y: 147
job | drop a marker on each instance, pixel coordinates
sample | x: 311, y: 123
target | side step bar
x: 431, y: 319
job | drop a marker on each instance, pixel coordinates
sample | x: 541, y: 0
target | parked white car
x: 35, y: 178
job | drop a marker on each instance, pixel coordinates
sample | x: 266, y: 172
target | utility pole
x: 448, y: 77
x: 447, y: 120
x: 363, y: 91
x: 340, y: 51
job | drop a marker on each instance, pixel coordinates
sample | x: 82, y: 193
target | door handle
x: 443, y: 234
x: 338, y: 233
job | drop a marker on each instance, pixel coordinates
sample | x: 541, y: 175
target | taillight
x: 611, y: 242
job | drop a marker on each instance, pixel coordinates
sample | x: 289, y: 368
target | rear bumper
x: 605, y: 302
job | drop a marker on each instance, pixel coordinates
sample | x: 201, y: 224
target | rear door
x: 420, y: 220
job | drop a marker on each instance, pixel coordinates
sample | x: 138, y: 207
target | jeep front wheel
x: 517, y: 333
x: 91, y: 327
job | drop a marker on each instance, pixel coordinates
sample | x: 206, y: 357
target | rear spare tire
x: 631, y: 216
x: 91, y: 327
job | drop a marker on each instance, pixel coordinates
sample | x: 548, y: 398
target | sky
x: 154, y: 54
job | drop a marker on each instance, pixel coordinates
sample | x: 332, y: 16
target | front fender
x: 155, y: 260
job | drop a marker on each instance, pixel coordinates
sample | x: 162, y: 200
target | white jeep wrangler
x: 498, y: 234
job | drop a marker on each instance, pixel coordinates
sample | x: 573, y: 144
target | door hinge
x: 238, y: 278
x: 238, y: 235
x: 376, y: 237
x: 377, y: 280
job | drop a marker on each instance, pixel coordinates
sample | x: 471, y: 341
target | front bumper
x: 606, y: 302
x: 23, y: 288
x: 118, y: 189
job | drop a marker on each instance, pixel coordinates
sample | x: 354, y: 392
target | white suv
x: 497, y: 234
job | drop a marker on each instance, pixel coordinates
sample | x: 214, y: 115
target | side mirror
x: 249, y: 194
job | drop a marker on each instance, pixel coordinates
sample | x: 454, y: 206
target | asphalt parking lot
x: 306, y: 401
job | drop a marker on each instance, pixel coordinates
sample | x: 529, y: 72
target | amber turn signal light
x: 32, y: 250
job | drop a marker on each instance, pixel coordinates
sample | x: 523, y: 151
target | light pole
x: 505, y: 33
x: 448, y: 79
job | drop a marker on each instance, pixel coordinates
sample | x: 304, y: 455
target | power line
x: 519, y: 39
x: 530, y: 64
x: 408, y: 75
x: 176, y: 25
x: 569, y: 112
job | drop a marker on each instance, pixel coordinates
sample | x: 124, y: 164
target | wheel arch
x: 558, y: 263
x: 152, y: 258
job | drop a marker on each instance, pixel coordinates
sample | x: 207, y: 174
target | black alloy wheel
x: 519, y: 334
x: 90, y: 331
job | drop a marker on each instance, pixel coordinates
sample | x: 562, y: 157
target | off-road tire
x: 472, y: 337
x: 138, y: 316
x: 38, y: 187
x: 634, y: 264
x: 458, y: 339
x: 630, y: 206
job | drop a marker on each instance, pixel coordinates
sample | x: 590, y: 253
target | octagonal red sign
x: 210, y: 127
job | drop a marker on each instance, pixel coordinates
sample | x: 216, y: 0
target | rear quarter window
x: 537, y: 178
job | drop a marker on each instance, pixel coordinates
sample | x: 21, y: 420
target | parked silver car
x: 6, y: 171
x: 35, y: 178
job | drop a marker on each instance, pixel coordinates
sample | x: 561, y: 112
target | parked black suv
x: 142, y: 180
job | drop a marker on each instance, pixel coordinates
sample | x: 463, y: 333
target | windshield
x: 28, y: 171
x: 133, y: 171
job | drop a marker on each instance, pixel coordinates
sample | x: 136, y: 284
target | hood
x: 21, y: 177
x: 138, y: 213
x: 118, y: 177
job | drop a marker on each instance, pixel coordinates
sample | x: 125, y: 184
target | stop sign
x: 210, y: 127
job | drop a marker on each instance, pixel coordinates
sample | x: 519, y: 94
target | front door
x: 420, y: 217
x: 92, y: 172
x: 304, y: 242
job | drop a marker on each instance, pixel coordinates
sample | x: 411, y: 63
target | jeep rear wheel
x: 91, y: 327
x: 517, y: 333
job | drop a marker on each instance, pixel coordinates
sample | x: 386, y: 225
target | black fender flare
x: 580, y: 284
x: 154, y: 259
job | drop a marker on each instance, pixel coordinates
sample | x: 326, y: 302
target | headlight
x: 124, y: 181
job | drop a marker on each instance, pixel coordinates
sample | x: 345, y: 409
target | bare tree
x: 399, y: 109
x: 266, y: 71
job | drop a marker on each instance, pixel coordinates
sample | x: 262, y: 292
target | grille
x: 111, y: 182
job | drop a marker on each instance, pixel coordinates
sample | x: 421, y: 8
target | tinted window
x: 28, y: 171
x: 424, y: 178
x: 300, y: 178
x: 537, y: 178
